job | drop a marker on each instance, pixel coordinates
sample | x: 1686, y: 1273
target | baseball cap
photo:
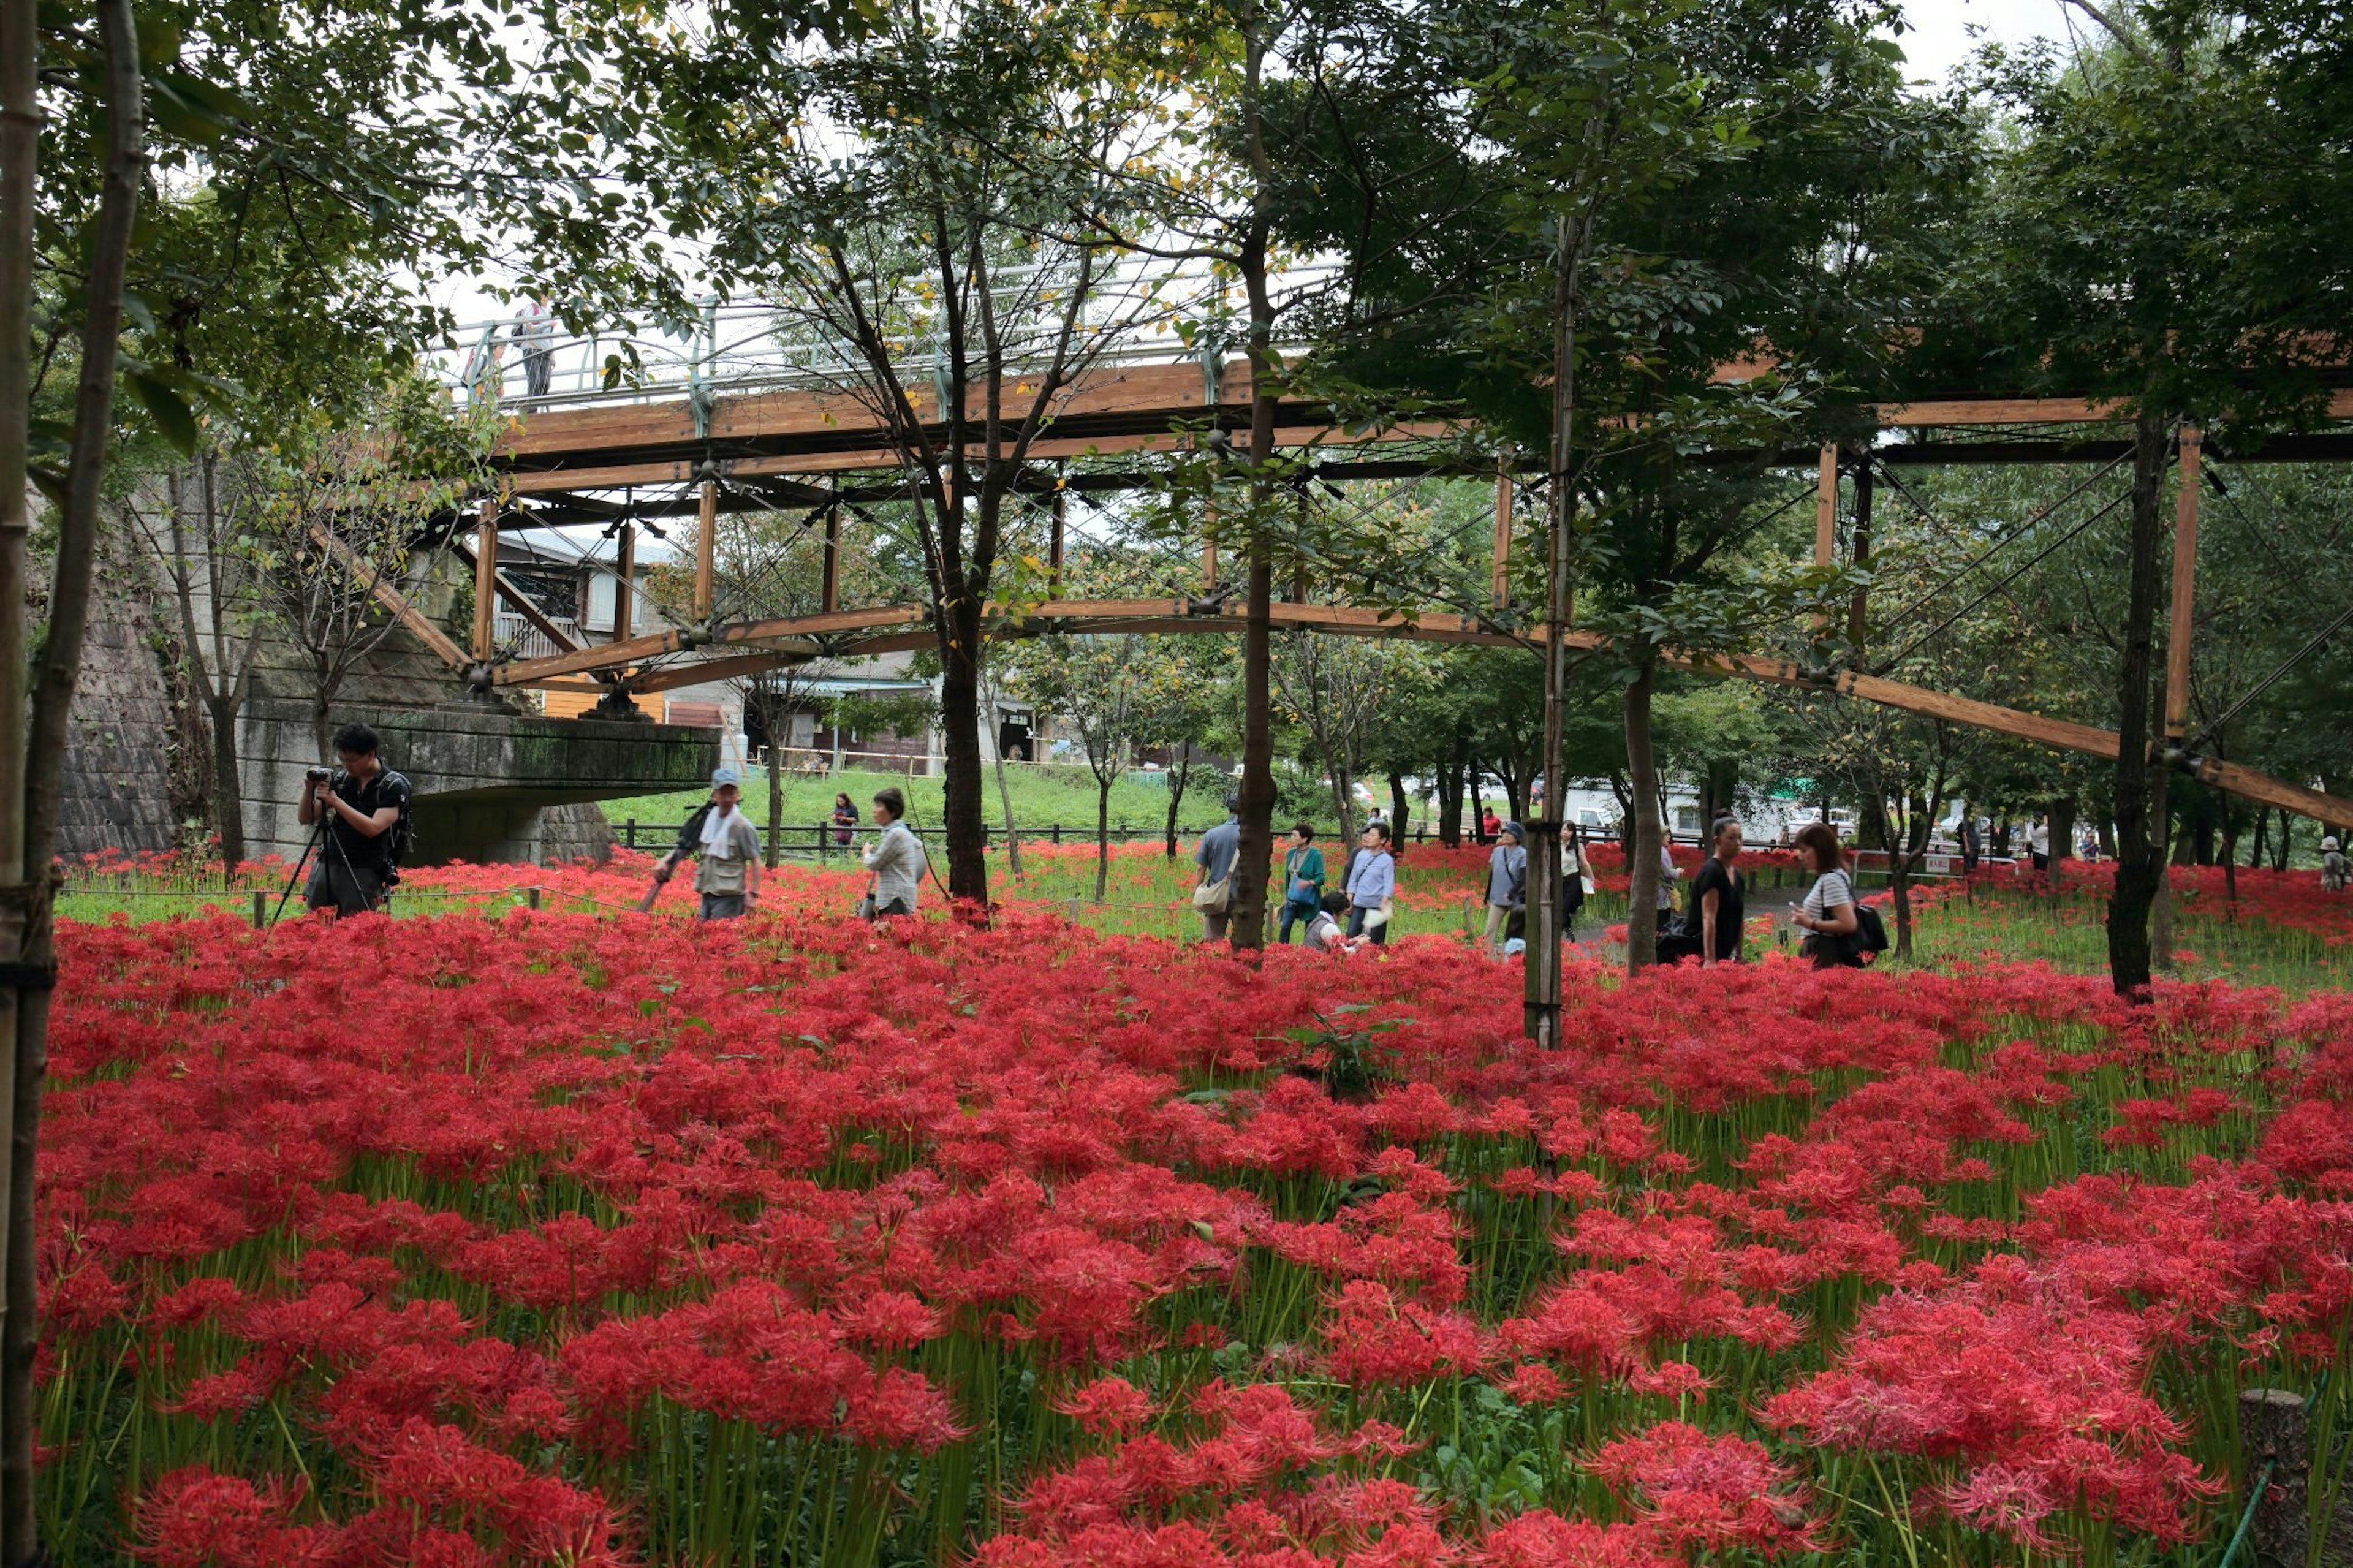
x: 724, y: 778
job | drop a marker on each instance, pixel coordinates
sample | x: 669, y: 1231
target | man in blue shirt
x: 1372, y: 884
x: 1215, y: 857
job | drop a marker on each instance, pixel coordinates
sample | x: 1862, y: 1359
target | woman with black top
x: 1828, y: 910
x: 845, y: 820
x: 1718, y: 895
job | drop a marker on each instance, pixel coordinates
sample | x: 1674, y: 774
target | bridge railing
x: 526, y: 361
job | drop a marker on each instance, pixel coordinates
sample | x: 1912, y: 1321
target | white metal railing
x: 530, y: 642
x: 523, y: 363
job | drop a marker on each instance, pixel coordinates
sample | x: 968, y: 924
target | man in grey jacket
x: 1215, y: 857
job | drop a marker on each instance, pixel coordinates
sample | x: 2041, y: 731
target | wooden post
x: 706, y: 550
x: 1503, y: 583
x: 1826, y: 508
x: 486, y: 578
x: 830, y: 586
x: 1858, y: 552
x: 1209, y: 543
x: 627, y: 574
x: 2184, y: 589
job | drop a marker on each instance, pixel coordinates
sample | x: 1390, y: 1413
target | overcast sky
x: 1937, y: 37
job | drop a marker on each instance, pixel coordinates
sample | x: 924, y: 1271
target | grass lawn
x: 1042, y: 797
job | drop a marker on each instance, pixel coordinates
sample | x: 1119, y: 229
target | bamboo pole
x: 2184, y: 589
x: 828, y: 593
x: 1503, y: 560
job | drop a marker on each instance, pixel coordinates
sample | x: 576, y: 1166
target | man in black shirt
x: 1717, y: 898
x: 363, y: 802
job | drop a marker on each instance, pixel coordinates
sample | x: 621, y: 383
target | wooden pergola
x: 826, y: 451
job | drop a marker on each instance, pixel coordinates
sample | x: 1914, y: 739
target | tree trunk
x: 1514, y: 798
x: 2160, y: 905
x: 1246, y: 909
x: 228, y: 787
x: 960, y: 655
x: 1642, y: 764
x: 1180, y: 775
x: 2062, y: 829
x: 1478, y: 808
x: 32, y: 759
x: 775, y: 793
x: 1005, y: 802
x: 322, y: 734
x: 2263, y: 829
x: 1449, y: 792
x: 2139, y: 870
x: 1103, y: 834
x: 1398, y: 808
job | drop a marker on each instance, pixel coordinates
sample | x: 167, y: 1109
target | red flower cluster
x: 566, y: 1240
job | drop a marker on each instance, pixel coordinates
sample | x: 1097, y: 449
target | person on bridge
x: 729, y: 877
x: 896, y: 857
x: 1508, y: 884
x: 1213, y: 889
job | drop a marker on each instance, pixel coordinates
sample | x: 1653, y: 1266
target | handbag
x: 1211, y: 898
x: 864, y: 908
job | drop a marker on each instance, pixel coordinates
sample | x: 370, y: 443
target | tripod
x: 318, y: 831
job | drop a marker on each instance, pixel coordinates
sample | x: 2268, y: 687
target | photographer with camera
x: 362, y: 803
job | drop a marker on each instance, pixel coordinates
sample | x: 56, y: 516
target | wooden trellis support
x: 706, y: 550
x: 627, y: 581
x: 486, y: 587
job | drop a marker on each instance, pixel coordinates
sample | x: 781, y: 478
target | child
x: 2334, y: 867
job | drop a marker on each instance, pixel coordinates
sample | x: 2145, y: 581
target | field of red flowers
x: 564, y: 1239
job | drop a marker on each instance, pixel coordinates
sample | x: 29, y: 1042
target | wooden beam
x: 2185, y: 590
x: 823, y: 623
x: 1503, y: 560
x: 614, y: 656
x: 1178, y: 616
x: 625, y: 585
x: 706, y: 551
x: 618, y: 473
x: 486, y: 587
x: 828, y: 593
x: 1826, y: 507
x: 391, y: 599
x: 696, y: 674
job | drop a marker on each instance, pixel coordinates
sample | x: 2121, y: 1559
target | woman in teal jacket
x: 1302, y: 878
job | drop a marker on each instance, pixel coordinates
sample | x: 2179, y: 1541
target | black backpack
x: 400, y: 842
